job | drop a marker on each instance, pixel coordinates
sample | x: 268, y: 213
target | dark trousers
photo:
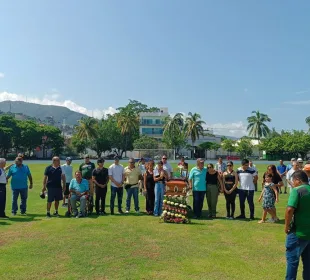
x: 249, y: 196
x: 100, y: 195
x: 198, y: 197
x: 119, y: 192
x: 2, y: 199
x: 150, y: 199
x: 23, y: 193
x: 230, y: 201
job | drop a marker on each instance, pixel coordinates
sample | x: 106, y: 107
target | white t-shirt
x: 289, y: 176
x: 167, y: 167
x: 2, y: 176
x: 246, y: 178
x: 68, y: 171
x: 116, y: 171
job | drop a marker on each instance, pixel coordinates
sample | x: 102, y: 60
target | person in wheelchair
x: 79, y: 190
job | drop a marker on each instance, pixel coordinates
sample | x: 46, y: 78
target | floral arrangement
x: 175, y: 210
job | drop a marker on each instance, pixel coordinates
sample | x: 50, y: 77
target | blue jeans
x: 249, y: 195
x: 159, y: 197
x: 119, y: 192
x: 23, y: 200
x: 135, y: 193
x: 198, y: 197
x: 296, y: 248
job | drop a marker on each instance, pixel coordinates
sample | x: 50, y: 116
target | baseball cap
x: 293, y: 159
x: 300, y: 160
x: 200, y: 160
x: 307, y: 167
x: 68, y: 159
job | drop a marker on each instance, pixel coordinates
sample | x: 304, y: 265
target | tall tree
x: 87, y: 128
x: 257, y: 127
x: 308, y: 122
x: 193, y: 127
x: 228, y: 145
x: 244, y: 148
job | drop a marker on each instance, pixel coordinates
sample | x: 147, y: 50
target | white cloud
x: 1, y: 75
x: 300, y: 102
x: 51, y: 100
x: 302, y: 91
x: 236, y: 129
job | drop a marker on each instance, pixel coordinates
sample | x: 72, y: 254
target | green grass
x: 138, y: 247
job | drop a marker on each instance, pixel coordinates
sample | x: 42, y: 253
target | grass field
x: 138, y: 246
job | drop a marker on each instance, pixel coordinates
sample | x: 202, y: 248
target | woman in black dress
x: 149, y: 186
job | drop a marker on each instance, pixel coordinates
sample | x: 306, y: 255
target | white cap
x: 300, y: 160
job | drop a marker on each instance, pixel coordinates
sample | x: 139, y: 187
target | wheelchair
x: 89, y: 206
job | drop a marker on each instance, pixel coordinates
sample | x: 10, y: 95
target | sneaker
x: 127, y: 211
x: 252, y: 218
x: 137, y: 212
x: 103, y: 213
x: 231, y: 218
x: 64, y: 205
x: 98, y: 213
x: 120, y: 212
x: 227, y: 217
x: 4, y: 217
x: 56, y: 214
x: 271, y: 220
x: 80, y: 215
x: 23, y: 213
x: 240, y: 217
x: 75, y: 214
x: 13, y: 214
x: 48, y: 215
x: 112, y: 212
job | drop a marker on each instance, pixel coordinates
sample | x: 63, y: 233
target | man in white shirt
x: 116, y: 176
x: 67, y: 169
x: 289, y: 174
x: 247, y: 178
x: 167, y: 167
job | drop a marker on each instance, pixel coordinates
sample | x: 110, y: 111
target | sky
x: 221, y: 59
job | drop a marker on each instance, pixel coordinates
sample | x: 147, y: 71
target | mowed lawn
x: 138, y: 246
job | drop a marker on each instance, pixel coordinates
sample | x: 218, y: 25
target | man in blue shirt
x: 20, y: 174
x: 281, y: 169
x: 197, y: 182
x: 79, y: 189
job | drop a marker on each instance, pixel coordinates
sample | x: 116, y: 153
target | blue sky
x: 222, y: 59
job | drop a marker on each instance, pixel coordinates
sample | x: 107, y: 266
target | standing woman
x: 149, y: 187
x: 213, y: 178
x: 230, y: 179
x: 276, y: 180
x: 160, y: 177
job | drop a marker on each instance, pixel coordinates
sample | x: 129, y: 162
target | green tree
x: 101, y: 143
x: 297, y: 143
x: 137, y: 107
x: 31, y: 135
x: 257, y: 127
x: 244, y: 148
x: 308, y: 122
x: 9, y: 133
x: 193, y: 127
x: 79, y: 144
x: 145, y: 142
x: 228, y: 145
x: 87, y: 129
x: 53, y: 139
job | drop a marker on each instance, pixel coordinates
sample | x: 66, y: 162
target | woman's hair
x: 211, y: 164
x: 273, y: 168
x: 269, y: 175
x: 160, y: 163
x: 148, y: 164
x: 230, y: 162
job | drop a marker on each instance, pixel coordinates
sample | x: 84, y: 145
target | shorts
x: 67, y: 192
x: 54, y: 194
x: 284, y: 181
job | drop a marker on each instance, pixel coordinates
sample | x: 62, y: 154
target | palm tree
x: 308, y: 122
x: 257, y: 127
x: 174, y: 124
x: 87, y: 128
x: 128, y: 123
x: 193, y: 127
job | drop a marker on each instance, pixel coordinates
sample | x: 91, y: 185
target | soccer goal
x: 155, y: 154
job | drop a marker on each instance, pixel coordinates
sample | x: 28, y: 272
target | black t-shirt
x: 212, y: 178
x: 53, y: 176
x: 101, y: 175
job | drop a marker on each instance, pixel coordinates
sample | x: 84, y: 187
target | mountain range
x: 44, y: 113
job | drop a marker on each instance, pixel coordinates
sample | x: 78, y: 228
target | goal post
x: 155, y: 154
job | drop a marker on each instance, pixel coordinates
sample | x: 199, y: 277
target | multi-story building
x: 152, y: 123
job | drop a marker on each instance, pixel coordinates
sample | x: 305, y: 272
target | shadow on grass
x: 22, y: 219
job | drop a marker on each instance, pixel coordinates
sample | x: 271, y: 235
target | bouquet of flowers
x: 175, y: 210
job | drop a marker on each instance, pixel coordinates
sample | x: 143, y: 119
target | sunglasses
x: 229, y: 165
x: 131, y: 162
x: 164, y: 158
x: 209, y: 167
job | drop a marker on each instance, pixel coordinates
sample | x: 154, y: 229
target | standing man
x: 68, y: 171
x: 289, y: 174
x: 79, y: 189
x: 3, y: 182
x: 116, y: 176
x: 53, y: 179
x: 247, y: 178
x: 220, y: 166
x: 132, y: 175
x: 281, y: 169
x: 20, y: 174
x: 101, y: 180
x: 290, y: 165
x: 297, y: 227
x: 197, y: 182
x: 253, y: 166
x: 300, y: 163
x: 142, y: 168
x: 166, y: 166
x: 87, y: 169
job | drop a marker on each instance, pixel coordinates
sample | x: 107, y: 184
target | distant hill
x: 45, y: 113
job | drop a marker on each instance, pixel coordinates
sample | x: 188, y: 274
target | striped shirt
x: 246, y: 178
